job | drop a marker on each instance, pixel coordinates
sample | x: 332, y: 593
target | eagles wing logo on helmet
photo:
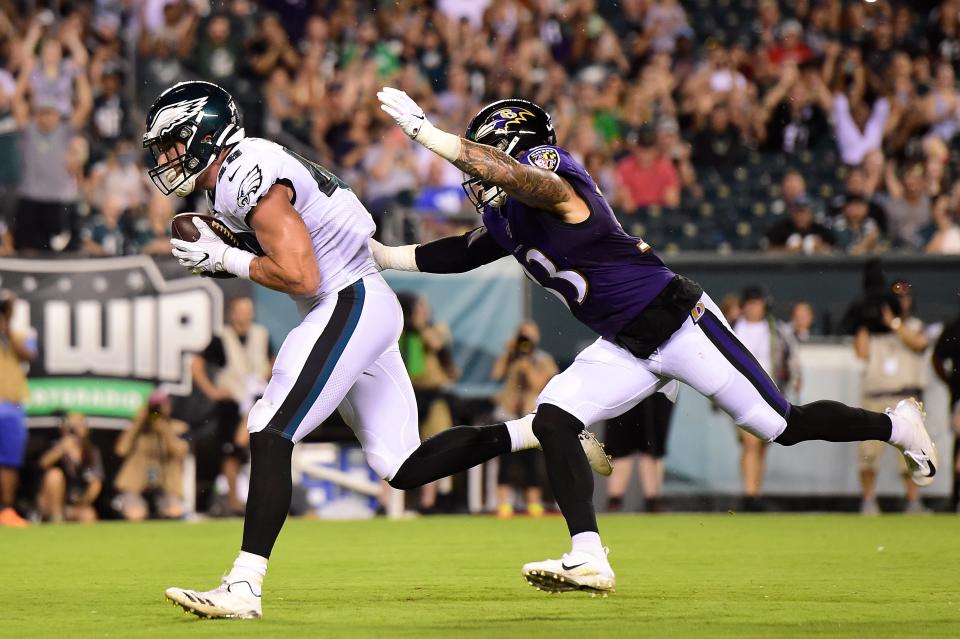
x: 249, y: 185
x: 174, y: 114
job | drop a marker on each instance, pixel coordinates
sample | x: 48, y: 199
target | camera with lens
x: 522, y: 347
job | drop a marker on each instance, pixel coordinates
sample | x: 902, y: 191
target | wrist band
x: 446, y: 145
x: 237, y: 261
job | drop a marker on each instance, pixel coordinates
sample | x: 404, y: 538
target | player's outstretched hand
x: 401, y: 107
x: 203, y: 256
x: 408, y: 114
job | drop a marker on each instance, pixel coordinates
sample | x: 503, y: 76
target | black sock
x: 271, y: 486
x: 450, y: 452
x: 567, y: 466
x: 834, y: 422
x: 615, y: 504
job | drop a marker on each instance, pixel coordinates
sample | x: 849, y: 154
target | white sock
x: 588, y: 542
x: 521, y: 434
x: 249, y: 567
x: 899, y: 430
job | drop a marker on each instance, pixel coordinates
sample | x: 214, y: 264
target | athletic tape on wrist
x: 446, y: 145
x: 237, y: 261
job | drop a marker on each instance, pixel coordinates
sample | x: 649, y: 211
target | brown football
x: 183, y: 228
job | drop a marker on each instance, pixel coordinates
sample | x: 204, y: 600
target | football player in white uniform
x: 307, y: 234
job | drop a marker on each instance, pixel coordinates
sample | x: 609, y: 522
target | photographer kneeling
x: 72, y: 474
x: 152, y: 473
x: 524, y: 370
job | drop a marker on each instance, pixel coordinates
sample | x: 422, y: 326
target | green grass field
x: 678, y: 575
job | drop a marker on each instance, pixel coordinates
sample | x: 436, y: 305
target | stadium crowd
x: 806, y: 126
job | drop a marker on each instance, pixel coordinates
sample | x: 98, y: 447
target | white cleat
x: 574, y: 571
x: 599, y: 460
x: 230, y: 600
x: 918, y: 449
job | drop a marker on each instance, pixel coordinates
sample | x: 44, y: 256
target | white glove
x: 403, y: 109
x: 398, y: 258
x: 409, y: 116
x: 210, y: 254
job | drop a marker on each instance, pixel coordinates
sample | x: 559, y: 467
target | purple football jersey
x: 605, y: 276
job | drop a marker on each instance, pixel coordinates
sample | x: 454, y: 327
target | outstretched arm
x: 539, y: 188
x: 455, y: 254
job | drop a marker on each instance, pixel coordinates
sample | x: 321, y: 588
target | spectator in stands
x: 216, y: 55
x: 153, y: 233
x: 427, y: 353
x: 671, y: 146
x: 946, y: 365
x: 907, y: 206
x: 858, y: 186
x: 942, y: 105
x: 774, y: 348
x: 15, y: 350
x: 859, y: 130
x: 72, y: 474
x: 717, y: 142
x: 943, y: 32
x: 390, y: 169
x: 790, y: 48
x: 287, y: 104
x: 793, y: 115
x: 50, y: 79
x: 643, y: 429
x: 766, y: 25
x: 271, y: 48
x: 104, y: 233
x: 163, y: 43
x: 524, y: 370
x: 153, y: 449
x: 9, y: 153
x: 893, y: 351
x: 664, y: 23
x: 110, y: 120
x: 120, y: 173
x: 854, y: 231
x: 730, y: 307
x: 801, y: 322
x: 646, y: 177
x: 878, y: 54
x: 53, y: 155
x: 799, y: 233
x: 936, y: 166
x: 944, y: 233
x: 793, y: 189
x: 232, y: 372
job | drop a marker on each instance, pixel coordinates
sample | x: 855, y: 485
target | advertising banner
x: 108, y: 331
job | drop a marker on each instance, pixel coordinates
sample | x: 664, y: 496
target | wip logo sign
x: 109, y: 331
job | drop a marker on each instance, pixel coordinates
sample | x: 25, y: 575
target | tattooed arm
x: 533, y: 186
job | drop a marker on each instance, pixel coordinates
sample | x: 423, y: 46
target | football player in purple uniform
x: 656, y: 328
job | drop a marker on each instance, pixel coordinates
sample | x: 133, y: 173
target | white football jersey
x: 338, y: 223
